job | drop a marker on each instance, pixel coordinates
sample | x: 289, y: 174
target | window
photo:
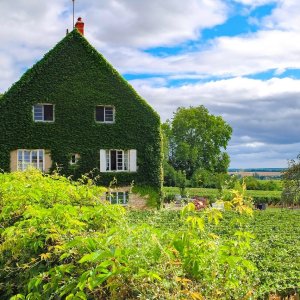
x: 74, y: 158
x: 43, y: 113
x: 105, y: 114
x: 117, y: 197
x: 113, y: 160
x: 116, y: 160
x: 33, y: 158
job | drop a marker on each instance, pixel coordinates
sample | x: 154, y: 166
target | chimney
x: 80, y: 26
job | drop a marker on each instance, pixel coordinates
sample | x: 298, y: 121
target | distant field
x: 250, y: 173
x: 262, y: 172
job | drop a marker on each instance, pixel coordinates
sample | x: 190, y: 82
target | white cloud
x: 142, y: 24
x: 270, y: 157
x: 264, y: 114
x: 225, y: 95
x: 225, y: 57
x: 255, y: 145
x: 285, y: 16
x: 28, y: 30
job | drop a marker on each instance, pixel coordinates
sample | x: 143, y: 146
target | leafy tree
x: 252, y: 183
x: 169, y: 174
x: 291, y: 183
x: 196, y: 140
x: 203, y: 178
x: 181, y: 182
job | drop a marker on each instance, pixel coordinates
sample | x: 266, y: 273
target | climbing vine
x: 76, y: 78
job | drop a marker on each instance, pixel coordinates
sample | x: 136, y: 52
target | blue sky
x: 239, y: 58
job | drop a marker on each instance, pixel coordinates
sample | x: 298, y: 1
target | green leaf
x: 17, y: 297
x: 81, y: 295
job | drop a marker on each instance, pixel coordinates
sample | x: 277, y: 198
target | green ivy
x: 75, y: 78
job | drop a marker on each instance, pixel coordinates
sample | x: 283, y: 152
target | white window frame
x: 106, y: 122
x: 108, y: 160
x: 105, y: 160
x: 43, y: 121
x: 30, y: 159
x: 77, y: 156
x: 120, y: 196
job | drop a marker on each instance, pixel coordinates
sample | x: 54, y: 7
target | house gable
x: 76, y: 79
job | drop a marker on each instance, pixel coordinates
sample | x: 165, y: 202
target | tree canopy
x: 291, y: 183
x: 195, y: 139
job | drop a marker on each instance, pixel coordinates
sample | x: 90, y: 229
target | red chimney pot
x: 80, y: 26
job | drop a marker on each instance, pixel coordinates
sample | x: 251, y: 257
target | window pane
x: 113, y: 160
x: 20, y: 160
x: 38, y: 112
x: 41, y: 160
x: 48, y: 112
x: 107, y: 160
x: 26, y: 160
x: 120, y: 160
x: 126, y: 160
x: 26, y: 156
x: 73, y: 159
x: 100, y: 113
x: 20, y: 153
x: 113, y: 198
x: 121, y: 198
x: 34, y: 158
x: 109, y: 114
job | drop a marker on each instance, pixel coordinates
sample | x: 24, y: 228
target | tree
x: 291, y: 183
x: 197, y: 140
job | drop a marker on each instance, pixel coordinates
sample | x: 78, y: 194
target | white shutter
x: 132, y: 160
x: 102, y: 160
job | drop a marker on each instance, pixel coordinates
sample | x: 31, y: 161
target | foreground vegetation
x: 60, y: 241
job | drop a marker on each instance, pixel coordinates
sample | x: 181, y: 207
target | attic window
x: 105, y: 114
x: 43, y: 113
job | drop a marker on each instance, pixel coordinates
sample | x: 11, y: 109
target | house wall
x: 14, y: 161
x: 75, y: 79
x: 48, y: 161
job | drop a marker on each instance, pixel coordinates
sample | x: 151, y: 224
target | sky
x: 238, y: 58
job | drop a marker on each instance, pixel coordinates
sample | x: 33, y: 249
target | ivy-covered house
x: 73, y: 110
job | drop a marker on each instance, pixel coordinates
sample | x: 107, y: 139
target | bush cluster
x: 60, y: 241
